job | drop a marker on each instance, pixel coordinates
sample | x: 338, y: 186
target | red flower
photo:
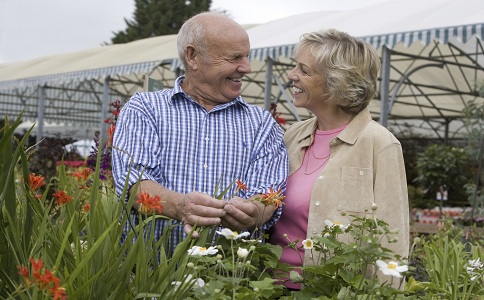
x: 280, y: 119
x: 149, y: 204
x: 36, y: 182
x: 241, y: 186
x: 86, y: 207
x: 62, y: 198
x: 276, y: 115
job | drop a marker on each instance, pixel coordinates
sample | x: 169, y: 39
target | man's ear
x: 191, y: 57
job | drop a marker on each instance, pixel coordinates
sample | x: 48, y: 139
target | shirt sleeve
x: 135, y: 146
x: 270, y: 167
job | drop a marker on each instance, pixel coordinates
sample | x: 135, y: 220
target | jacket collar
x: 349, y: 135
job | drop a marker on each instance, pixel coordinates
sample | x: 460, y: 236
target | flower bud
x: 374, y: 206
x: 242, y: 252
x: 190, y: 265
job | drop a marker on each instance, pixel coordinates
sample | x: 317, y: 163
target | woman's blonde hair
x: 349, y: 65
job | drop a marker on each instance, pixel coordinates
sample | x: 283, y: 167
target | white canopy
x: 432, y: 52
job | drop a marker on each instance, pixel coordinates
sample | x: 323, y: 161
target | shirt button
x: 321, y: 177
x: 361, y: 172
x: 317, y: 203
x: 207, y: 139
x: 205, y: 166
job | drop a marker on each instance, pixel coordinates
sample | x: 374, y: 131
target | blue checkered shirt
x: 168, y: 138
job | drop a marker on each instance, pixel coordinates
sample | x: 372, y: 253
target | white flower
x: 391, y: 268
x: 476, y: 264
x: 307, y: 244
x: 242, y: 252
x: 202, y: 251
x: 330, y: 224
x: 198, y: 282
x: 232, y: 235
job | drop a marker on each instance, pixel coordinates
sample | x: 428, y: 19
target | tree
x: 158, y: 17
x: 443, y: 166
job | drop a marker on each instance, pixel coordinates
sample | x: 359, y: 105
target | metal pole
x: 268, y: 84
x: 385, y: 86
x: 104, y: 109
x: 478, y: 179
x: 40, y: 114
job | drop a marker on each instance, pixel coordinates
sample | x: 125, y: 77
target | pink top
x: 294, y: 218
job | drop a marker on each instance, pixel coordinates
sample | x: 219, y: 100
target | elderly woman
x: 341, y: 161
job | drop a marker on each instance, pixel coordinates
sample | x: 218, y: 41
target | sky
x: 35, y: 28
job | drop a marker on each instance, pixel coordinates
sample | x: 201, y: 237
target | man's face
x: 218, y: 78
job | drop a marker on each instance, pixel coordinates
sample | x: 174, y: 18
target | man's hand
x: 199, y: 209
x: 191, y: 209
x: 245, y: 214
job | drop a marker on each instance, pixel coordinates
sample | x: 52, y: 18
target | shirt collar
x: 177, y: 90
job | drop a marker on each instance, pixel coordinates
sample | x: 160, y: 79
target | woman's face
x: 308, y: 82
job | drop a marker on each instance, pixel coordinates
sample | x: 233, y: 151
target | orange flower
x: 240, y: 186
x: 148, y: 204
x: 62, y: 198
x: 86, y: 207
x: 59, y: 293
x: 36, y: 182
x: 82, y: 175
x: 37, y: 264
x: 46, y: 278
x: 111, y: 134
x: 22, y: 270
x: 43, y: 278
x: 273, y: 197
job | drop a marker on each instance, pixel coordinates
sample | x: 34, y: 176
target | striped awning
x: 137, y: 68
x: 460, y: 33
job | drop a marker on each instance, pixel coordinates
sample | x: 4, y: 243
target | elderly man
x: 183, y: 143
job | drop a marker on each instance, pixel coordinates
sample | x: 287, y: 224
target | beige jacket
x: 365, y: 167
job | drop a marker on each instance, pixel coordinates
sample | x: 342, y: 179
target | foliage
x: 67, y: 242
x: 441, y: 165
x: 473, y: 117
x: 158, y: 17
x: 345, y: 260
x: 76, y: 235
x: 453, y: 264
